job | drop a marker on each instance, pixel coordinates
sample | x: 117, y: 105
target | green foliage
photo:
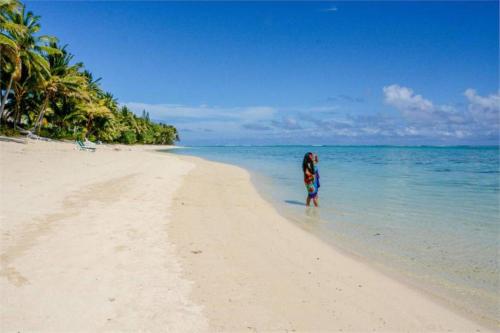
x: 43, y: 90
x: 128, y: 137
x: 7, y: 131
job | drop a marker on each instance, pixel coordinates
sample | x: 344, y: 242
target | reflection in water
x: 313, y: 218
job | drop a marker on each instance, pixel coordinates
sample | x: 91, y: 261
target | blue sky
x: 295, y: 72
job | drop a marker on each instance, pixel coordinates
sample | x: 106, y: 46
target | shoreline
x: 280, y: 225
x: 132, y: 238
x: 383, y: 266
x: 312, y: 223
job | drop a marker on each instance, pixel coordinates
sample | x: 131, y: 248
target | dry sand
x: 84, y: 244
x: 121, y: 240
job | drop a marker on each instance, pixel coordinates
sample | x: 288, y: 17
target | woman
x: 316, y: 172
x: 310, y: 179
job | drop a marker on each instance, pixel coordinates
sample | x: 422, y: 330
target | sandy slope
x: 84, y: 244
x: 253, y: 270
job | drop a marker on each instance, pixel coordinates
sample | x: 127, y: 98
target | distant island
x: 44, y: 91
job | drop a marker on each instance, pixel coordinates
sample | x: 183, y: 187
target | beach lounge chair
x: 33, y: 136
x: 89, y: 143
x: 30, y: 135
x: 84, y: 146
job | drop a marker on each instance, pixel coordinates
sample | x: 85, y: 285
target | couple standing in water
x: 311, y: 177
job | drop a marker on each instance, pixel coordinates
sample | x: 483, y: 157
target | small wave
x: 442, y: 170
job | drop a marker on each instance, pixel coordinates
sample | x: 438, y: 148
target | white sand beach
x: 128, y: 238
x: 84, y: 241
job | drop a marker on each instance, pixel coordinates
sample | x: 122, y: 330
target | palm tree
x: 94, y: 111
x: 43, y: 84
x: 63, y: 81
x: 100, y: 105
x: 8, y: 47
x: 31, y: 48
x: 110, y: 101
x: 62, y: 106
x: 8, y: 5
x: 70, y: 84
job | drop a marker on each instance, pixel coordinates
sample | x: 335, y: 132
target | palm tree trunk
x: 1, y: 80
x: 38, y: 123
x: 4, y: 99
x: 0, y: 73
x: 1, y: 97
x: 89, y: 126
x: 17, y: 113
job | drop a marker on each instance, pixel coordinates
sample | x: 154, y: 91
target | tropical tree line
x: 43, y: 90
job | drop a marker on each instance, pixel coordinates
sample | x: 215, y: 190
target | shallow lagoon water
x: 430, y: 213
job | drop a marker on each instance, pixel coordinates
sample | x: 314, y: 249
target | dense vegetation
x: 43, y: 90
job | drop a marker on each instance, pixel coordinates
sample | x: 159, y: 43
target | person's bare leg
x: 308, y: 201
x: 315, y: 201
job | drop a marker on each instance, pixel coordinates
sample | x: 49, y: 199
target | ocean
x: 428, y: 214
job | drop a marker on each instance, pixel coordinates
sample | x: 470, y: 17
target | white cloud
x: 172, y: 111
x: 405, y: 99
x: 419, y: 120
x: 204, y: 123
x: 484, y: 110
x: 418, y: 110
x: 425, y: 119
x: 255, y: 113
x: 491, y: 102
x: 331, y: 9
x: 287, y: 123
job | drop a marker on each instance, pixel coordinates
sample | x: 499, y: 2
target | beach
x: 133, y: 238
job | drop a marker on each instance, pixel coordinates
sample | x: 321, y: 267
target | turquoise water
x: 430, y: 213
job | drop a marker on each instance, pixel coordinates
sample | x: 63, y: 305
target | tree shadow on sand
x: 9, y: 139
